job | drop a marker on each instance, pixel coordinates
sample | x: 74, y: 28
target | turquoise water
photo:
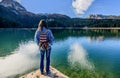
x: 75, y: 53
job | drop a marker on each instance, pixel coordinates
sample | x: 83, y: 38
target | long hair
x: 42, y: 24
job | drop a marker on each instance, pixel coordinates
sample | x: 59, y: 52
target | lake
x: 76, y: 53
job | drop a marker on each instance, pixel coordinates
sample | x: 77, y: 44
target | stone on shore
x: 54, y: 74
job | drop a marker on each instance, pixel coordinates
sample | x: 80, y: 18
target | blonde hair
x: 42, y: 24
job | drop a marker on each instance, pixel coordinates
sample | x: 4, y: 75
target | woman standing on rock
x: 44, y: 39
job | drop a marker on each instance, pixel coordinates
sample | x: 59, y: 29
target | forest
x: 71, y: 22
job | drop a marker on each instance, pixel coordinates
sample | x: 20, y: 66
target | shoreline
x: 70, y: 28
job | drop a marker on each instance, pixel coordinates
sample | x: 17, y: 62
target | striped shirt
x: 50, y: 37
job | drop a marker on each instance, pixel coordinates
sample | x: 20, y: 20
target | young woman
x: 44, y: 39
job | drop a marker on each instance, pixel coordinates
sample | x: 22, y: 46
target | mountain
x: 13, y: 5
x: 14, y: 11
x: 14, y: 15
x: 100, y: 16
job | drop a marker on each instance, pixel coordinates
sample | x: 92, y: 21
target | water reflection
x: 99, y: 48
x: 99, y: 38
x: 92, y: 34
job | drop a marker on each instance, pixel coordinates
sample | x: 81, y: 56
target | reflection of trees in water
x: 93, y: 34
x: 11, y: 38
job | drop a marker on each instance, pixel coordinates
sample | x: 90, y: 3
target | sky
x: 73, y: 8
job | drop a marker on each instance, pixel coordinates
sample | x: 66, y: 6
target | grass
x: 84, y: 73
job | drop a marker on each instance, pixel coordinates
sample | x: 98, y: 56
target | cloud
x: 81, y: 6
x: 0, y: 0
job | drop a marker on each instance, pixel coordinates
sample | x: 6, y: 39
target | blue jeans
x: 42, y: 53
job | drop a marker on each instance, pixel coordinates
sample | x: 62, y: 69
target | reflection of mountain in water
x: 91, y: 34
x: 99, y: 38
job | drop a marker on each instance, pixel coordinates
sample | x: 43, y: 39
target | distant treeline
x: 6, y: 23
x: 72, y: 22
x: 95, y: 22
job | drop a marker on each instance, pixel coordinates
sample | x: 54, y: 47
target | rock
x: 54, y: 74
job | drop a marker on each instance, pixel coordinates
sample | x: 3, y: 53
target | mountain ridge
x: 12, y: 10
x: 100, y: 16
x: 13, y: 14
